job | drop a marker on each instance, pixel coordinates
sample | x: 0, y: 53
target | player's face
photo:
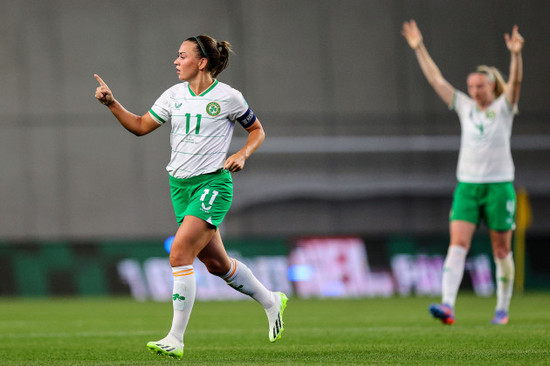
x: 480, y: 88
x: 187, y: 62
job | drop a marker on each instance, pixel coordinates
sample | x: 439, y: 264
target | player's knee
x: 501, y: 253
x: 180, y: 259
x: 460, y: 243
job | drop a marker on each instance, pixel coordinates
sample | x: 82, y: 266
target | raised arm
x: 514, y: 42
x: 413, y: 36
x: 138, y: 125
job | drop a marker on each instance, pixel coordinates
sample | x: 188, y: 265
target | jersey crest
x: 213, y: 109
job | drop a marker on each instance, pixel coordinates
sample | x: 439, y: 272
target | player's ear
x: 203, y: 63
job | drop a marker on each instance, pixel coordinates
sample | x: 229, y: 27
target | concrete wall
x: 308, y: 68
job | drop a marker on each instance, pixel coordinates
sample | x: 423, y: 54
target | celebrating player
x: 485, y: 171
x: 203, y: 112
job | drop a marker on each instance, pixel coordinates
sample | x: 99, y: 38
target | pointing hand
x: 103, y: 93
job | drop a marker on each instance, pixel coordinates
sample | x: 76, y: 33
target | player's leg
x: 240, y: 277
x: 235, y: 273
x: 453, y: 267
x: 453, y: 270
x: 191, y: 237
x: 463, y: 221
x: 500, y: 213
x: 504, y: 263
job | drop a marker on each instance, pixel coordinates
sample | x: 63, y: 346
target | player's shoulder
x: 226, y: 89
x: 177, y: 88
x: 226, y: 92
x: 503, y: 104
x: 462, y: 100
x: 175, y: 91
x: 463, y: 96
x: 501, y: 99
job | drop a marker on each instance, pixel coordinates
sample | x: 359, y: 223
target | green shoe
x: 164, y: 349
x: 275, y: 318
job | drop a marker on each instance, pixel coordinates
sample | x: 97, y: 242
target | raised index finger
x: 99, y: 80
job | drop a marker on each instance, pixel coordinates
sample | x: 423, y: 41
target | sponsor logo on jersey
x: 178, y: 105
x: 213, y: 109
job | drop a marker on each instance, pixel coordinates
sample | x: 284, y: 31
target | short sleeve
x: 160, y: 111
x: 462, y: 103
x: 504, y: 106
x: 238, y: 106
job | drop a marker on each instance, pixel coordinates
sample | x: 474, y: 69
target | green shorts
x: 206, y: 196
x: 493, y: 203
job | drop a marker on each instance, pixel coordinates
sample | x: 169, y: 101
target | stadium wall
x: 357, y: 142
x: 320, y: 266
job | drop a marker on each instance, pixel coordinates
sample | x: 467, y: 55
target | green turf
x: 317, y: 332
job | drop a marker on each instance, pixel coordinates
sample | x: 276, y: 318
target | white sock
x: 505, y: 281
x: 183, y: 298
x: 241, y: 278
x: 453, y: 270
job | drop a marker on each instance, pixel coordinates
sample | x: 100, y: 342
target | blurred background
x: 358, y: 164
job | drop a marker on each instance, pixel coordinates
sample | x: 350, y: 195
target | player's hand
x: 412, y: 34
x: 103, y: 93
x: 515, y: 41
x: 235, y: 163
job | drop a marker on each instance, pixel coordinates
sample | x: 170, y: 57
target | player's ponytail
x: 224, y: 48
x: 217, y: 53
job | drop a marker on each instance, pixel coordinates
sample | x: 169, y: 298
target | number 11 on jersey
x: 188, y: 123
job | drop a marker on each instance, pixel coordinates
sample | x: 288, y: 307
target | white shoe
x: 168, y: 346
x: 275, y: 317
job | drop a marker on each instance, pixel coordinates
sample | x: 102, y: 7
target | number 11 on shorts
x: 212, y: 198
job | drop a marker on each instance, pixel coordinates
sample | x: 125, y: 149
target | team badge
x: 213, y: 109
x: 490, y: 114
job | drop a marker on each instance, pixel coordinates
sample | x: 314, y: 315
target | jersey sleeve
x: 461, y: 103
x: 160, y: 111
x: 504, y: 106
x: 240, y: 111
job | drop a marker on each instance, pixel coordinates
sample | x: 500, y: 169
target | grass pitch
x: 114, y: 331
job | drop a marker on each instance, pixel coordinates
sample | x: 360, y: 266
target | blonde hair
x: 494, y: 77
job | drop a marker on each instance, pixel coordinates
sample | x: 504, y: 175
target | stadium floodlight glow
x: 300, y: 272
x: 168, y: 243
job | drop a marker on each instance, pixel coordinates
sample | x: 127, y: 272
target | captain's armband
x: 247, y: 119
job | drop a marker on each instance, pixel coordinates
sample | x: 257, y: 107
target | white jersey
x: 202, y: 126
x: 485, y: 155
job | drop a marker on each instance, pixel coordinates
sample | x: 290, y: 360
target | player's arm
x: 514, y: 42
x: 256, y: 136
x: 138, y: 125
x: 441, y: 86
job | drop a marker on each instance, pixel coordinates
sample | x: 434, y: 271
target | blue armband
x: 247, y: 119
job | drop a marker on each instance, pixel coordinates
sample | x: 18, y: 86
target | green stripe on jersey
x: 156, y: 115
x: 198, y: 154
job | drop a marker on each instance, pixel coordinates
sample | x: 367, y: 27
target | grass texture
x: 393, y: 331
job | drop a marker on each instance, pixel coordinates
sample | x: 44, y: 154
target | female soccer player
x: 203, y: 112
x: 485, y: 169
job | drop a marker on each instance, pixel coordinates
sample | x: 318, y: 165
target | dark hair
x: 217, y: 53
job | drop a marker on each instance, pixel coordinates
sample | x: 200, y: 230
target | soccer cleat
x: 443, y: 312
x: 275, y: 318
x: 501, y: 317
x: 166, y: 347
